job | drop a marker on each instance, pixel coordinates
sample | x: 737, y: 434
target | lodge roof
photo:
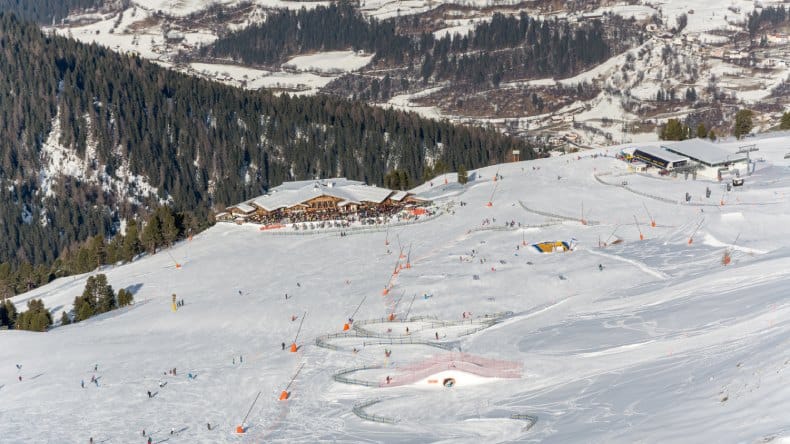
x: 294, y: 193
x: 705, y: 152
x: 661, y: 153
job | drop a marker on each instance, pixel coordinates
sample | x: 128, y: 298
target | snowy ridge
x: 59, y: 161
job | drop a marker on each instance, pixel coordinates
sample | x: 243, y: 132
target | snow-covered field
x: 329, y: 61
x: 664, y: 344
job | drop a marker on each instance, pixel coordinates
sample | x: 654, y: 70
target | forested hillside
x: 48, y: 11
x: 506, y: 48
x: 200, y: 145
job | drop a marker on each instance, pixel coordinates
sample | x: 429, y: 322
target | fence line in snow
x: 359, y: 410
x: 556, y: 216
x: 350, y: 230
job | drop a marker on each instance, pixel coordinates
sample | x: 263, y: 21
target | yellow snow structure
x: 552, y: 247
x: 174, y: 306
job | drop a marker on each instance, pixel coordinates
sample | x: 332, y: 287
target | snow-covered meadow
x: 663, y: 344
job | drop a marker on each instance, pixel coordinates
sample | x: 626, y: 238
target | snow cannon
x: 726, y: 259
x: 346, y: 326
x: 284, y: 395
x: 294, y: 348
x: 385, y: 291
x: 178, y: 266
x: 653, y: 223
x: 489, y: 204
x: 240, y: 429
x: 391, y: 317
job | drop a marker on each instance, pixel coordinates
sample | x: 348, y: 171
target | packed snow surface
x: 651, y: 340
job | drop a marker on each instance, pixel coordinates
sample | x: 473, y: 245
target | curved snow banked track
x: 463, y: 362
x: 414, y: 338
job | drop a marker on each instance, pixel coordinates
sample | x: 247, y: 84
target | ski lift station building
x: 709, y: 160
x: 659, y: 157
x: 709, y: 157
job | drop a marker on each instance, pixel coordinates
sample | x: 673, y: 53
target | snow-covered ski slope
x: 665, y: 344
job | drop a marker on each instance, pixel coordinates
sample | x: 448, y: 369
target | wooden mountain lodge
x: 317, y: 200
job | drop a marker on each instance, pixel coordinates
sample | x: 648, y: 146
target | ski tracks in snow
x: 651, y: 271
